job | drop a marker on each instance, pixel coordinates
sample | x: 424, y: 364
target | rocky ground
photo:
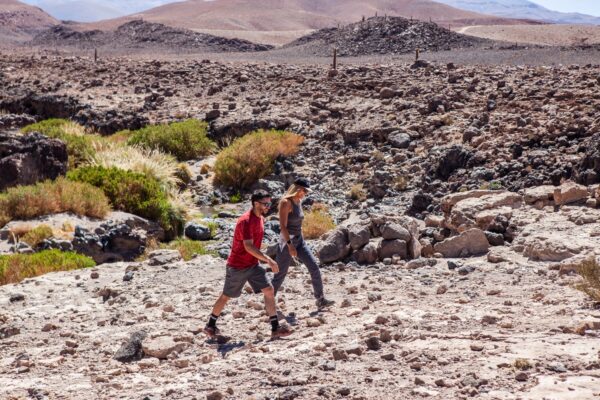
x: 475, y: 196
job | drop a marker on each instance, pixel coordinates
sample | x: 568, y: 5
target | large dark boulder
x: 449, y: 159
x: 27, y: 159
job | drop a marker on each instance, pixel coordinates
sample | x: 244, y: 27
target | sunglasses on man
x: 265, y: 203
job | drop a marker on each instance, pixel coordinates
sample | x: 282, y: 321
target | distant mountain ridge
x: 522, y: 9
x: 293, y: 18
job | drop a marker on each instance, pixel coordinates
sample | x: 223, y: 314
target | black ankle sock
x: 212, y: 321
x: 274, y: 323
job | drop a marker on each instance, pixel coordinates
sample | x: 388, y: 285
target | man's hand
x: 293, y: 251
x: 273, y: 265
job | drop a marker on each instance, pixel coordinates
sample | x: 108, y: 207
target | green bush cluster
x: 252, y: 157
x: 134, y: 193
x: 16, y: 267
x: 185, y: 140
x: 52, y: 197
x: 80, y: 147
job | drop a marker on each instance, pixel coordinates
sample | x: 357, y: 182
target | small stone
x: 441, y: 289
x: 477, y: 347
x: 16, y: 297
x: 373, y: 343
x: 344, y: 391
x: 327, y: 366
x: 216, y: 395
x: 339, y: 354
x: 49, y: 327
x: 388, y: 357
x: 522, y: 376
x: 419, y: 381
x: 313, y: 323
x: 94, y: 275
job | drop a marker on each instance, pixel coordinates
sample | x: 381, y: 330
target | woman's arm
x: 284, y: 212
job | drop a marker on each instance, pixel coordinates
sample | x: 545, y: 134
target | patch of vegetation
x: 187, y: 248
x: 16, y: 267
x: 590, y: 272
x: 134, y: 193
x: 522, y: 364
x: 185, y: 140
x: 317, y: 222
x: 358, y: 192
x: 37, y: 235
x: 80, y: 145
x: 52, y: 197
x: 252, y: 157
x: 235, y: 198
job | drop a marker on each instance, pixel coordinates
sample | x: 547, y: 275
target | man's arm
x: 250, y: 248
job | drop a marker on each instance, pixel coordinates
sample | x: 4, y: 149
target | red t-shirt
x: 248, y: 227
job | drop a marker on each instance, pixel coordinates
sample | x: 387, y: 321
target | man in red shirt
x: 242, y: 266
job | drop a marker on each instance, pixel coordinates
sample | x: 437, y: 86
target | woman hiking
x: 292, y: 243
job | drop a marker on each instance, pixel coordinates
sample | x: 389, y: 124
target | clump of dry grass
x: 16, y: 267
x: 590, y: 272
x: 522, y: 364
x: 52, y: 197
x: 252, y: 157
x: 358, y: 192
x: 317, y: 222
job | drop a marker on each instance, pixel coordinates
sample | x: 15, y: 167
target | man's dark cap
x: 259, y: 195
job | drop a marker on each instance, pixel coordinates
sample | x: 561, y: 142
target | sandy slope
x: 561, y: 35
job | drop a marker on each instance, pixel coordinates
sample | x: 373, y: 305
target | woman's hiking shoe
x: 324, y: 303
x: 281, y: 331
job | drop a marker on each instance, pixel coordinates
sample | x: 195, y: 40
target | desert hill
x: 19, y: 21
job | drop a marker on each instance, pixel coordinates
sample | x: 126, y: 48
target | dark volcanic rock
x: 384, y: 35
x: 132, y: 350
x: 449, y: 160
x: 27, y: 159
x: 141, y: 34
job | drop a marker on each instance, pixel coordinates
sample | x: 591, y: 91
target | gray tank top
x: 295, y: 218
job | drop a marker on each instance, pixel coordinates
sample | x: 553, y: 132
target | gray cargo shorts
x: 236, y: 278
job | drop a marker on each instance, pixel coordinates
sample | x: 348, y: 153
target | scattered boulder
x: 27, y: 159
x: 472, y: 242
x: 195, y: 231
x: 161, y: 347
x: 335, y: 247
x: 132, y: 349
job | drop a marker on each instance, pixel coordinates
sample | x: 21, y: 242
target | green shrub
x: 252, y: 157
x: 16, y: 267
x: 80, y: 146
x: 37, y: 235
x: 187, y: 248
x: 134, y: 193
x: 52, y: 197
x: 185, y: 140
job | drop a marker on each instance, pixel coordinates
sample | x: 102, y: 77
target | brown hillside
x: 19, y: 21
x: 258, y: 20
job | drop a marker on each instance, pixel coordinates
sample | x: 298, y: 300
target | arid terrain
x: 455, y: 210
x: 491, y: 315
x: 547, y: 35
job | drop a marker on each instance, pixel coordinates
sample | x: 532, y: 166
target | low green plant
x: 135, y: 193
x: 235, y: 198
x: 187, y: 248
x: 52, y: 197
x: 80, y: 145
x: 37, y: 235
x: 185, y: 140
x: 16, y: 267
x: 252, y: 157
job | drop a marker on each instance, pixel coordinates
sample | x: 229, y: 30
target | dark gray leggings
x: 305, y: 255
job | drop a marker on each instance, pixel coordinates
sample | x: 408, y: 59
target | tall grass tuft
x: 52, y: 197
x: 317, y: 222
x: 590, y: 272
x: 252, y: 157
